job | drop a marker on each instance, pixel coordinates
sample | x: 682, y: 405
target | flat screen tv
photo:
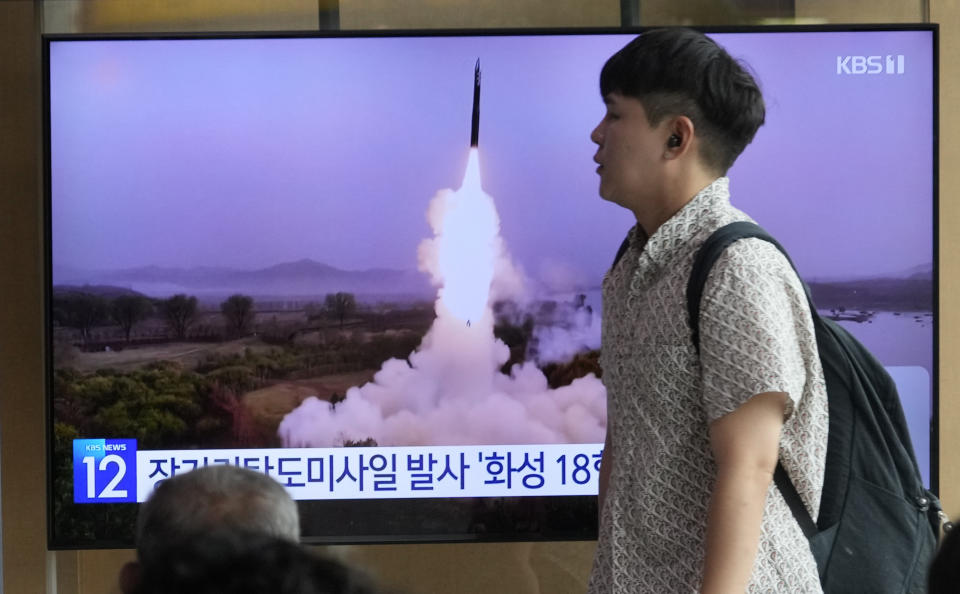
x: 368, y: 264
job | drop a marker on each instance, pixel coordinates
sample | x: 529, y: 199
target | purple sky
x: 249, y: 153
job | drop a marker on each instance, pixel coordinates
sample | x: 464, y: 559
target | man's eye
x: 613, y: 116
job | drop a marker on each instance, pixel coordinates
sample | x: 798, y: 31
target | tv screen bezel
x: 586, y: 532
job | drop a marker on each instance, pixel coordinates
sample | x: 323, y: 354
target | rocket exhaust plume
x: 475, y: 121
x: 450, y: 390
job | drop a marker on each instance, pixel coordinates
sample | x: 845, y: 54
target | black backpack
x: 878, y: 526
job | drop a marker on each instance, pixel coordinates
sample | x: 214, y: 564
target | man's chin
x: 607, y: 197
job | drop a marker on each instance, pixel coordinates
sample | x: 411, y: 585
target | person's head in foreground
x: 214, y: 497
x: 230, y: 561
x: 680, y: 110
x: 944, y: 574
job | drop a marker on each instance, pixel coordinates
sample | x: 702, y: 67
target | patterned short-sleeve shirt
x: 756, y: 336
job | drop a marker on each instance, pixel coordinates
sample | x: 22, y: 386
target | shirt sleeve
x: 752, y: 317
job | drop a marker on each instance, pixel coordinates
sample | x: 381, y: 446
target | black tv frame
x: 582, y: 526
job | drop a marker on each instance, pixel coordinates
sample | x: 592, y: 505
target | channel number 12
x: 110, y: 491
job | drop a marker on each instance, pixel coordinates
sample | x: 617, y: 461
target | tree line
x: 85, y: 311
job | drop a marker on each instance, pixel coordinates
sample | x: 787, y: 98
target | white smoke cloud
x: 578, y: 331
x: 563, y: 325
x: 452, y: 392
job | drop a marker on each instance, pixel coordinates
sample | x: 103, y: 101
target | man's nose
x: 597, y: 135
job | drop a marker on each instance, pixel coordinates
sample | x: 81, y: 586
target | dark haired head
x: 678, y: 71
x: 944, y: 572
x: 243, y: 562
x: 214, y: 497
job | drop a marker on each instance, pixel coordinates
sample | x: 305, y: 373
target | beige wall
x: 520, y: 568
x: 947, y: 13
x: 863, y: 11
x: 21, y: 331
x: 426, y: 14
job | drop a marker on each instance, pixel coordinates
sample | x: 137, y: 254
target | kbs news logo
x: 870, y: 64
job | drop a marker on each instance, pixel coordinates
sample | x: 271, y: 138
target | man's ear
x: 130, y: 577
x: 680, y: 132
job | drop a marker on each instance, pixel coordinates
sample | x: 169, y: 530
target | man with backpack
x: 687, y: 499
x: 752, y: 445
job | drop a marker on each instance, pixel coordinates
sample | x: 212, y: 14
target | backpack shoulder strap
x: 708, y: 254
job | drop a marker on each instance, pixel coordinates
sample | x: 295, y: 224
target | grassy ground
x: 269, y: 405
x: 188, y: 354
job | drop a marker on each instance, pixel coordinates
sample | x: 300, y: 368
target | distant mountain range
x: 303, y: 278
x: 311, y: 279
x: 908, y: 290
x: 922, y: 272
x: 919, y: 272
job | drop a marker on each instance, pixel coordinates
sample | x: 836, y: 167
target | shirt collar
x: 682, y: 226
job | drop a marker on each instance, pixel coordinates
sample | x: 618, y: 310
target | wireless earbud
x: 673, y: 141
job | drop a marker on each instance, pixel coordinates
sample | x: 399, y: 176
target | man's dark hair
x: 212, y: 497
x: 677, y: 71
x: 944, y: 572
x: 230, y: 561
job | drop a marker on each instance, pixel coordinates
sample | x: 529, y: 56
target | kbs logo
x: 870, y: 64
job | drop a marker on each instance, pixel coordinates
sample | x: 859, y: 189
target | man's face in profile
x: 629, y: 152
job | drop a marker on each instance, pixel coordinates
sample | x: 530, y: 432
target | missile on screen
x: 475, y: 122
